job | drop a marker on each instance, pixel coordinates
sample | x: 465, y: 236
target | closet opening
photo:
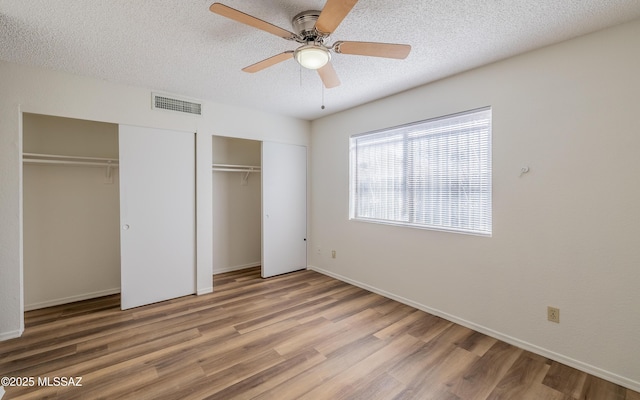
x: 236, y: 202
x: 259, y: 206
x: 71, y: 210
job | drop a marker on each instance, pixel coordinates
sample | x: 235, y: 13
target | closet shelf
x: 37, y: 158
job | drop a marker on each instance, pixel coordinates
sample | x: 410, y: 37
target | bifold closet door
x: 157, y: 215
x: 284, y: 208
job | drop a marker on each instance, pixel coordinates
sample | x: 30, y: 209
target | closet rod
x: 235, y: 170
x: 69, y: 162
x: 31, y: 156
x: 235, y: 167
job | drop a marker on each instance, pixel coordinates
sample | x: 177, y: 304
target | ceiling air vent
x: 174, y: 104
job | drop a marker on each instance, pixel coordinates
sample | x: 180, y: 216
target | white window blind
x: 431, y: 174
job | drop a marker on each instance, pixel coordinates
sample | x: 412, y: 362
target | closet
x: 237, y: 194
x: 259, y: 205
x: 71, y: 210
x: 107, y: 208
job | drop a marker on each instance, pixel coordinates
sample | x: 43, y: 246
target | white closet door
x: 284, y: 208
x: 157, y: 215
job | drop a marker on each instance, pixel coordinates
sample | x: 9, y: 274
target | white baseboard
x: 10, y: 335
x: 236, y: 267
x: 588, y: 368
x: 206, y: 290
x: 70, y: 299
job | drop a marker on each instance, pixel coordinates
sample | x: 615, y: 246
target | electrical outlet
x: 553, y: 314
x: 333, y: 254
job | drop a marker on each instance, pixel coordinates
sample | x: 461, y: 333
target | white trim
x: 20, y: 330
x: 1, y: 391
x: 588, y: 368
x: 206, y: 290
x: 10, y: 335
x: 70, y: 299
x: 236, y: 267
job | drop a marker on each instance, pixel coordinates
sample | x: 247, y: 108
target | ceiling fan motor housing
x: 304, y: 24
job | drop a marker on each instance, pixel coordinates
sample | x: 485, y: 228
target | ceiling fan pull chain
x: 322, y: 106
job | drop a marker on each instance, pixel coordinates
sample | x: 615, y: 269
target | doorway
x: 259, y: 206
x: 75, y: 245
x: 71, y: 208
x: 236, y: 202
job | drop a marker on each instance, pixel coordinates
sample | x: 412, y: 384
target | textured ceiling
x: 180, y: 47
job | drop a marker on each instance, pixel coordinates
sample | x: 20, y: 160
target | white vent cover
x: 174, y: 104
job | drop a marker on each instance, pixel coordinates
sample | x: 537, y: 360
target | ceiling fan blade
x: 260, y: 65
x: 387, y: 50
x: 329, y: 76
x: 247, y: 19
x: 332, y: 14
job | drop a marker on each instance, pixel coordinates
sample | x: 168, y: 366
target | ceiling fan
x: 312, y: 32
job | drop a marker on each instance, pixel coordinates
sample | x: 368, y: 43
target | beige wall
x: 565, y: 234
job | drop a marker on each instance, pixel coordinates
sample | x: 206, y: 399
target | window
x: 433, y: 174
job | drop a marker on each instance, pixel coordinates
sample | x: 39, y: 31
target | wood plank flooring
x: 296, y: 336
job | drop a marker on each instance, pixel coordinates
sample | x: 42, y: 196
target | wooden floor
x: 297, y: 336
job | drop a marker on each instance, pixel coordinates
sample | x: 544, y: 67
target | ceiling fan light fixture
x: 312, y: 56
